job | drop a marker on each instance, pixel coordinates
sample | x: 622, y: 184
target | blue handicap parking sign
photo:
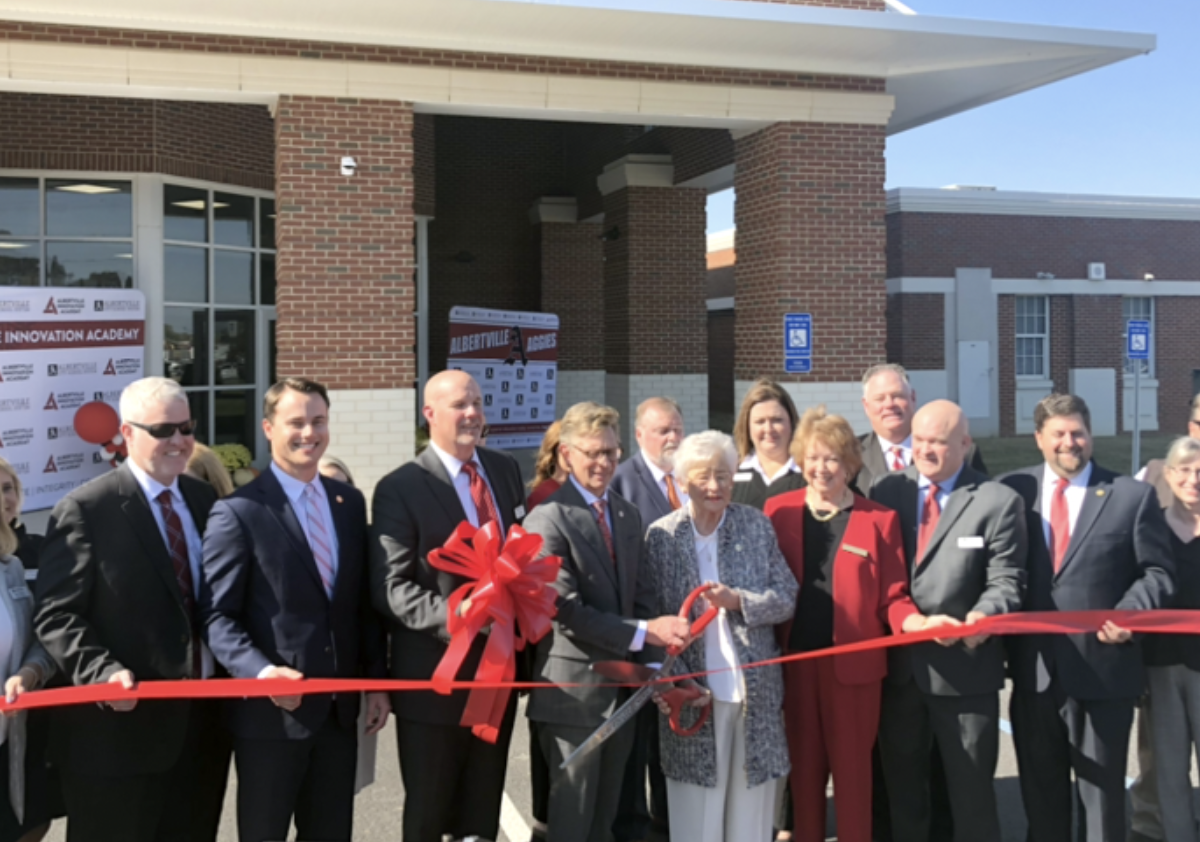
x: 797, y: 343
x: 1137, y: 339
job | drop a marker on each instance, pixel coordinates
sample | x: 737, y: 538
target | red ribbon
x: 510, y: 588
x: 1164, y: 621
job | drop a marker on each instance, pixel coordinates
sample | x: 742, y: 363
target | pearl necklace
x: 823, y: 515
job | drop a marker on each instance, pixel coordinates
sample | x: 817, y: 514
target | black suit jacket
x: 108, y: 600
x: 974, y: 561
x: 262, y: 603
x: 1119, y: 557
x: 634, y: 481
x: 415, y: 509
x: 874, y: 466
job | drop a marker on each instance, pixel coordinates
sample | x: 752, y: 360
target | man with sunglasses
x: 117, y: 592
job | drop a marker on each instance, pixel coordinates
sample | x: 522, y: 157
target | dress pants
x: 585, y: 795
x: 636, y: 814
x: 453, y: 781
x: 1143, y: 795
x: 1054, y: 735
x: 831, y: 728
x: 182, y: 804
x: 310, y: 781
x: 966, y: 730
x: 732, y: 811
x: 1175, y: 697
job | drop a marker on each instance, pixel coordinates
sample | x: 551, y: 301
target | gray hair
x: 885, y: 368
x: 337, y: 464
x: 149, y: 391
x: 1183, y: 449
x: 701, y: 449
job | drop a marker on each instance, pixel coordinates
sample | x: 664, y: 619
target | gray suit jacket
x: 975, y: 561
x: 874, y: 466
x: 599, y: 605
x: 635, y: 483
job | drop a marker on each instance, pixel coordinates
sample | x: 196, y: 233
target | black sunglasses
x: 167, y: 428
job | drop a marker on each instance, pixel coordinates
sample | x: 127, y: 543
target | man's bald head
x: 941, y: 438
x: 454, y: 411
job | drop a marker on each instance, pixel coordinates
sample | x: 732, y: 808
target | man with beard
x: 647, y: 481
x: 1096, y: 541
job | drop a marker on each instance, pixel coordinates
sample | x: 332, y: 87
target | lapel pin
x: 1099, y: 492
x: 620, y: 514
x: 339, y: 499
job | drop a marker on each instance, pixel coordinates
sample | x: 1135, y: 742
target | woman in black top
x: 1173, y: 660
x: 763, y: 434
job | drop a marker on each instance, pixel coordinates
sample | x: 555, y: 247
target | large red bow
x: 509, y: 587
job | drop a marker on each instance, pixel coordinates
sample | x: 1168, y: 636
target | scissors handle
x: 677, y: 699
x: 701, y: 624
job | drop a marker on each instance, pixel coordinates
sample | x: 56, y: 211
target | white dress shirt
x: 462, y: 484
x: 295, y: 491
x: 720, y: 656
x: 195, y: 546
x: 751, y: 463
x: 660, y: 479
x: 1075, y: 493
x: 639, y: 637
x: 887, y: 446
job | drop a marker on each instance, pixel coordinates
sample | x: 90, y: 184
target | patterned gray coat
x: 749, y: 561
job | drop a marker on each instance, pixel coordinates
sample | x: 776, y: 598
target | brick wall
x: 1177, y: 360
x: 230, y: 144
x: 935, y: 244
x: 345, y: 265
x: 811, y: 239
x: 655, y: 316
x: 1006, y: 327
x: 573, y: 287
x: 916, y: 330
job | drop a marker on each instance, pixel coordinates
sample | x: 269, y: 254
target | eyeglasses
x: 1187, y: 473
x: 167, y: 428
x: 612, y: 454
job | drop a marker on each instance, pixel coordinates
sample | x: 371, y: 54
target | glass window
x: 198, y: 401
x: 233, y: 347
x: 267, y: 280
x: 234, y: 418
x: 86, y: 208
x: 93, y: 264
x: 185, y: 345
x: 185, y: 213
x: 233, y: 277
x: 1139, y: 307
x: 19, y: 207
x: 185, y: 274
x: 20, y: 264
x: 1032, y: 335
x: 266, y: 223
x: 233, y: 220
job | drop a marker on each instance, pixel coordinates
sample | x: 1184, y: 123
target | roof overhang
x: 934, y: 67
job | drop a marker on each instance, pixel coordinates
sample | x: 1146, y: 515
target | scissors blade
x: 622, y: 715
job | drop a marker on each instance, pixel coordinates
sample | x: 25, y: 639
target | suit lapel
x: 197, y: 510
x: 494, y: 468
x: 136, y: 508
x: 1093, y: 504
x: 625, y: 542
x: 910, y: 501
x: 440, y: 485
x: 958, y: 502
x: 857, y: 542
x: 662, y: 506
x: 276, y: 501
x: 872, y: 460
x: 583, y: 518
x: 341, y: 525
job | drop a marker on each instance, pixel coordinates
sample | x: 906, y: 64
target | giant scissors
x: 653, y: 681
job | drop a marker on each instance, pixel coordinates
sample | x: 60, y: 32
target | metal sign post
x: 1137, y: 348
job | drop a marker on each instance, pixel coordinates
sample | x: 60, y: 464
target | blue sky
x: 1132, y: 128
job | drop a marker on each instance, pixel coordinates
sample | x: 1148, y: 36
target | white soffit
x: 934, y: 66
x: 1018, y: 203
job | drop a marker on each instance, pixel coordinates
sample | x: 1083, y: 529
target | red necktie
x: 481, y: 496
x: 897, y: 459
x: 605, y: 532
x: 1060, y: 523
x: 929, y: 518
x: 178, y: 550
x: 672, y: 494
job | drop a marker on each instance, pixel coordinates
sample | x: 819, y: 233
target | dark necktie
x: 929, y: 518
x: 606, y: 533
x: 481, y: 496
x: 178, y: 550
x: 1060, y: 523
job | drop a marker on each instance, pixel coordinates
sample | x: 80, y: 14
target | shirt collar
x: 887, y: 446
x: 453, y: 464
x: 751, y: 463
x: 1080, y: 480
x: 945, y: 486
x: 655, y: 471
x: 704, y: 539
x: 152, y: 487
x: 294, y: 488
x: 588, y: 497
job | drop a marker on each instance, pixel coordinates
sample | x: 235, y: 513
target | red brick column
x: 811, y: 239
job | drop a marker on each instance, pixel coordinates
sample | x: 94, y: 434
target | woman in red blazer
x: 847, y: 554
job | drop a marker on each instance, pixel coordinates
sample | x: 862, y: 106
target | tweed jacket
x: 17, y: 597
x: 749, y: 561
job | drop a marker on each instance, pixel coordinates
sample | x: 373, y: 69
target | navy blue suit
x: 634, y: 481
x: 263, y: 603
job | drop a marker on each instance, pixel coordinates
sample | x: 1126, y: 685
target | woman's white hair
x: 699, y: 450
x: 1183, y: 449
x: 147, y: 392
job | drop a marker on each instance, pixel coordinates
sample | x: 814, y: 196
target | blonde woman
x: 206, y: 465
x: 12, y: 497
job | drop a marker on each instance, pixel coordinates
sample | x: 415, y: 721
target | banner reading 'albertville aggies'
x: 514, y: 358
x: 62, y: 349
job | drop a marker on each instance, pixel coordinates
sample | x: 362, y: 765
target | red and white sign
x: 514, y: 358
x: 62, y: 349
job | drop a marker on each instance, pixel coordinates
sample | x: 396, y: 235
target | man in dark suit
x: 285, y: 596
x: 647, y: 480
x: 453, y: 781
x: 605, y: 601
x: 965, y: 544
x: 117, y: 591
x: 1096, y: 541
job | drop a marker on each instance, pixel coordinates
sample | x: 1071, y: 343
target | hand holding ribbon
x: 510, y: 588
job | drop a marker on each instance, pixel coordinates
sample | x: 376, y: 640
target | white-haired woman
x: 722, y: 782
x: 1173, y: 660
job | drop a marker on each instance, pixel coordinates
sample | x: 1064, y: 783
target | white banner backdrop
x: 62, y: 350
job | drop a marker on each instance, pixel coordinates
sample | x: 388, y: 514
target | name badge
x: 520, y: 512
x: 743, y: 476
x: 20, y: 592
x: 970, y: 542
x: 855, y: 550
